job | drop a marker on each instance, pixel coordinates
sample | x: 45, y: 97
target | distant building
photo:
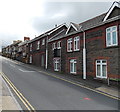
x: 22, y: 54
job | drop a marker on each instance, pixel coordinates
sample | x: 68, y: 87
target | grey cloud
x: 74, y: 12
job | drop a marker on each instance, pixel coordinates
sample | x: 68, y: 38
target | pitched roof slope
x: 92, y: 22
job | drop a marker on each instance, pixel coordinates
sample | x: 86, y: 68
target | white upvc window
x: 73, y: 66
x: 30, y: 47
x: 59, y: 45
x: 69, y: 45
x: 30, y: 61
x: 77, y: 43
x: 101, y: 68
x: 111, y: 36
x: 43, y: 41
x: 56, y: 64
x: 38, y: 45
x: 53, y: 46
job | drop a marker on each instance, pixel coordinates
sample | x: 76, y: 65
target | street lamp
x: 84, y: 54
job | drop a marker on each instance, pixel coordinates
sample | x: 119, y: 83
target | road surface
x: 45, y: 92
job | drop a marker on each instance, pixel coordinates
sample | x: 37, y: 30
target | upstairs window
x: 77, y: 43
x: 38, y: 45
x: 59, y: 45
x: 43, y: 41
x: 69, y: 45
x: 111, y: 36
x: 53, y: 46
x: 30, y: 47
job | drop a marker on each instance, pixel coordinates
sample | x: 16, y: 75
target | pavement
x: 7, y: 100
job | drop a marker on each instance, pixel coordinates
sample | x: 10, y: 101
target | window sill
x: 77, y: 50
x: 115, y: 46
x: 69, y: 51
x: 73, y: 73
x: 102, y: 78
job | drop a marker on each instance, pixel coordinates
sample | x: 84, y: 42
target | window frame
x: 53, y: 46
x: 31, y: 47
x: 56, y: 65
x: 30, y: 60
x: 69, y: 45
x: 59, y: 45
x: 101, y: 68
x: 38, y: 45
x: 111, y: 36
x: 77, y: 45
x: 43, y: 41
x: 73, y: 61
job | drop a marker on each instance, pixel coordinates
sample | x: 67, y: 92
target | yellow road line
x: 81, y: 86
x: 20, y: 93
x: 21, y: 97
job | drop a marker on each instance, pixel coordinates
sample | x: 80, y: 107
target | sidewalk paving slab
x: 8, y: 100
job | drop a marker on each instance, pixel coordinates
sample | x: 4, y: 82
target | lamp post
x: 84, y: 54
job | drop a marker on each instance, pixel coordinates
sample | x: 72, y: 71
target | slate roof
x: 92, y: 22
x: 46, y: 33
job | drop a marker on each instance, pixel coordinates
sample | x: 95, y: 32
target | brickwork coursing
x: 96, y: 49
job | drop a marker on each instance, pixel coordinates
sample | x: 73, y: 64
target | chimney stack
x: 26, y: 38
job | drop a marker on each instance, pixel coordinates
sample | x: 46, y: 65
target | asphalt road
x: 49, y: 93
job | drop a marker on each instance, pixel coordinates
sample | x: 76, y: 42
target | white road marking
x: 25, y: 70
x: 12, y: 65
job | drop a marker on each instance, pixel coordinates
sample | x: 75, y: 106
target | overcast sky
x: 19, y: 18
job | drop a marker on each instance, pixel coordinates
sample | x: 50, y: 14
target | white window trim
x: 69, y: 41
x: 38, y: 45
x: 59, y: 45
x: 111, y: 36
x: 43, y: 41
x: 101, y: 68
x: 73, y: 61
x: 56, y: 62
x: 30, y: 61
x: 115, y: 4
x: 77, y: 39
x: 71, y: 25
x: 30, y: 47
x: 53, y: 46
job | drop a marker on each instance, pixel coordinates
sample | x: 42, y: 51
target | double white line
x: 18, y: 93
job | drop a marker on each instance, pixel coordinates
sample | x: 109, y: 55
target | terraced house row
x: 90, y: 49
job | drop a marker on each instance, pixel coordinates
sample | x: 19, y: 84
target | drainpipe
x: 84, y: 53
x: 46, y: 65
x: 84, y: 56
